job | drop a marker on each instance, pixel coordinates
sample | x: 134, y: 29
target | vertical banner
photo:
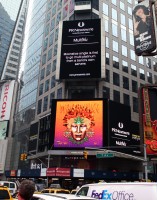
x: 6, y: 100
x: 144, y: 31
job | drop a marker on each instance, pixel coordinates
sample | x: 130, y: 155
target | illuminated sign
x: 81, y: 49
x: 79, y: 124
x: 144, y: 32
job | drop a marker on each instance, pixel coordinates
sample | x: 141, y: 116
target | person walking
x: 26, y: 190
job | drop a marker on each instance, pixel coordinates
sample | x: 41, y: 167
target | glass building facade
x: 8, y: 14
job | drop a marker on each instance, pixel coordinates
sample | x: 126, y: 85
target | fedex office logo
x: 115, y: 195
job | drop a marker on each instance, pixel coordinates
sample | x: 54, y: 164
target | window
x: 141, y: 60
x: 42, y: 74
x: 47, y: 85
x: 122, y: 17
x: 48, y: 17
x: 105, y: 9
x: 115, y: 46
x: 114, y: 14
x: 59, y: 4
x: 39, y: 106
x: 49, y: 55
x: 53, y: 11
x: 107, y: 76
x: 133, y: 70
x: 142, y: 74
x: 122, y: 5
x: 107, y: 42
x: 106, y: 25
x: 126, y: 99
x: 149, y: 77
x: 123, y: 34
x: 148, y: 63
x: 55, y: 50
x: 58, y: 18
x: 124, y: 66
x: 114, y: 2
x: 106, y: 92
x: 51, y: 39
x: 124, y: 51
x: 116, y: 80
x: 47, y: 29
x: 130, y: 24
x: 132, y: 54
x: 129, y: 10
x: 135, y: 104
x: 41, y: 89
x: 134, y: 86
x: 115, y: 62
x: 48, y: 69
x: 107, y: 59
x: 45, y: 44
x: 56, y: 34
x: 114, y: 30
x: 52, y: 24
x: 54, y: 65
x: 59, y: 93
x: 154, y: 65
x: 45, y: 103
x: 116, y: 96
x: 53, y: 81
x: 125, y: 83
x: 52, y: 96
x: 131, y: 39
x: 43, y: 59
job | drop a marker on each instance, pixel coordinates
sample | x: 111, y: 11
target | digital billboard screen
x: 81, y: 49
x: 119, y: 126
x: 144, y: 31
x: 3, y: 129
x: 78, y: 124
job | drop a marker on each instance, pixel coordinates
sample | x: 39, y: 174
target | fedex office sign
x: 6, y: 100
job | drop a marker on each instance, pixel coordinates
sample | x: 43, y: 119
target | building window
x: 148, y: 63
x: 107, y: 42
x: 133, y: 70
x: 114, y: 30
x: 58, y: 18
x: 51, y: 39
x: 48, y: 69
x: 43, y: 59
x: 135, y: 104
x: 106, y: 25
x: 45, y: 44
x: 59, y: 93
x: 116, y: 79
x: 149, y: 77
x: 47, y: 29
x: 47, y: 85
x: 114, y: 14
x: 134, y: 86
x: 42, y: 74
x: 115, y: 46
x: 129, y: 10
x: 49, y: 55
x: 114, y: 2
x: 142, y: 74
x: 55, y: 50
x: 125, y: 83
x: 122, y: 17
x: 124, y: 51
x: 105, y: 9
x: 106, y: 92
x: 107, y: 59
x: 52, y: 96
x: 52, y: 24
x: 154, y: 65
x: 141, y: 60
x: 54, y: 65
x: 53, y: 81
x: 126, y: 99
x: 122, y: 6
x: 123, y: 34
x: 59, y: 4
x: 132, y: 55
x: 48, y: 17
x: 125, y: 66
x: 53, y: 11
x: 115, y: 62
x: 45, y: 103
x: 131, y: 39
x: 116, y: 96
x: 39, y: 106
x: 130, y: 24
x: 56, y: 34
x: 107, y: 76
x: 41, y: 89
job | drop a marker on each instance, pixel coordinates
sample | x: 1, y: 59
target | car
x: 50, y: 196
x: 12, y: 186
x: 5, y: 193
x: 73, y: 191
x: 55, y: 190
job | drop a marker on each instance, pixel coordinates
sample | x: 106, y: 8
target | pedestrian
x: 26, y: 190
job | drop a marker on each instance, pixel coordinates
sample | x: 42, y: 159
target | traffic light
x: 22, y: 156
x: 85, y: 154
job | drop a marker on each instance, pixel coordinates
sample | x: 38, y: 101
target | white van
x: 120, y: 191
x: 11, y: 186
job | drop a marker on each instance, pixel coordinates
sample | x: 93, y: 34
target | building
x: 124, y: 72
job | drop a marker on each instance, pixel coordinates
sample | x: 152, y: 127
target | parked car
x: 12, y: 186
x: 5, y: 193
x: 55, y: 190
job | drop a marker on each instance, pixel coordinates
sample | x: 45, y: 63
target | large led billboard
x: 3, y: 129
x: 80, y: 49
x: 78, y: 124
x: 148, y: 117
x: 144, y: 31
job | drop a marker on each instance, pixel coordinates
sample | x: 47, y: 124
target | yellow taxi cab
x: 4, y: 193
x: 55, y: 191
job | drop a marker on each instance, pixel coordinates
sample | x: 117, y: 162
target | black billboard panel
x: 144, y: 31
x: 81, y: 49
x: 119, y: 126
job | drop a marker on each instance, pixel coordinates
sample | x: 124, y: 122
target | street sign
x: 105, y: 155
